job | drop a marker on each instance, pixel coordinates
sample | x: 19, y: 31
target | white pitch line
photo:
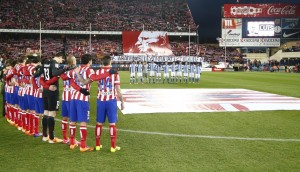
x: 201, y: 136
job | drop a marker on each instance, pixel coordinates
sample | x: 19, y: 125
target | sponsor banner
x: 231, y: 28
x: 206, y: 69
x: 217, y: 70
x: 157, y: 58
x: 261, y: 10
x: 140, y: 101
x: 261, y: 27
x: 229, y: 70
x: 250, y: 42
x: 146, y: 43
x: 291, y: 28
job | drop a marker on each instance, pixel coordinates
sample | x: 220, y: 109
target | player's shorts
x: 15, y: 96
x: 172, y: 73
x: 132, y: 75
x: 185, y: 74
x: 79, y: 111
x: 107, y: 109
x: 158, y: 75
x: 145, y: 75
x: 139, y: 74
x: 50, y: 99
x: 38, y: 105
x: 21, y: 102
x: 166, y: 75
x: 65, y: 108
x: 179, y: 74
x: 192, y: 75
x: 8, y: 97
x: 152, y: 73
x: 197, y: 75
x: 30, y: 102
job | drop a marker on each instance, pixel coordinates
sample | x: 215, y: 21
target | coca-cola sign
x: 261, y: 10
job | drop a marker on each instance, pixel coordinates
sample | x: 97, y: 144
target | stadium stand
x: 104, y: 15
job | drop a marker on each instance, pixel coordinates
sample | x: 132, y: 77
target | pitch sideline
x: 202, y: 136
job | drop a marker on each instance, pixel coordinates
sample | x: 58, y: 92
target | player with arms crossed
x: 108, y: 91
x: 139, y: 72
x: 179, y: 72
x: 132, y: 70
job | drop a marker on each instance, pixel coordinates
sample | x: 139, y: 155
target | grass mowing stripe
x: 201, y: 136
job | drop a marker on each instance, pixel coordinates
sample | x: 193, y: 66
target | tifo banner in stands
x: 261, y: 10
x: 146, y: 43
x: 250, y: 42
x: 138, y: 101
x: 291, y: 28
x: 157, y: 58
x: 231, y: 28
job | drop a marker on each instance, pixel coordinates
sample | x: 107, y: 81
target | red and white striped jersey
x: 37, y: 94
x: 18, y: 72
x: 107, y: 86
x: 8, y: 87
x: 28, y: 76
x: 66, y: 95
x: 85, y: 72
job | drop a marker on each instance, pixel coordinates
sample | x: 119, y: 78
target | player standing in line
x: 108, y: 91
x: 66, y: 99
x: 132, y: 70
x: 158, y: 73
x: 28, y: 72
x: 38, y: 101
x: 179, y: 72
x: 11, y: 115
x: 152, y: 72
x: 145, y: 72
x: 166, y: 73
x: 186, y: 72
x: 198, y: 72
x: 50, y: 70
x: 139, y: 72
x: 19, y: 74
x: 173, y: 72
x: 80, y: 107
x: 192, y: 74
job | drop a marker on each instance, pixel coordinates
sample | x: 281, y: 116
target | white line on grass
x: 202, y: 136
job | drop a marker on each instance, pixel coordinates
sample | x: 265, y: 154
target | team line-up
x: 32, y: 88
x: 139, y: 72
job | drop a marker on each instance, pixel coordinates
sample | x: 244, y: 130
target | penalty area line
x: 202, y: 136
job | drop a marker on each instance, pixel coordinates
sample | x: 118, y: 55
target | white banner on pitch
x: 138, y: 101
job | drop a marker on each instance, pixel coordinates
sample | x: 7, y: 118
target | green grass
x: 146, y: 152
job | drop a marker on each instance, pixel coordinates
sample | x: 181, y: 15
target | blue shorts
x: 80, y: 111
x: 12, y: 100
x: 8, y: 97
x: 107, y: 109
x: 30, y: 102
x: 15, y: 96
x: 65, y: 109
x: 38, y: 105
x: 21, y: 102
x: 25, y: 102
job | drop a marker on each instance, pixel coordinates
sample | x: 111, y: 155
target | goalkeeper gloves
x: 85, y: 91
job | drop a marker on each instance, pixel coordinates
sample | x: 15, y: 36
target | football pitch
x: 206, y: 141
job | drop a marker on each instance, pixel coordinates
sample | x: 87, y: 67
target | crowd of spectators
x: 292, y: 49
x: 12, y: 47
x: 104, y: 15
